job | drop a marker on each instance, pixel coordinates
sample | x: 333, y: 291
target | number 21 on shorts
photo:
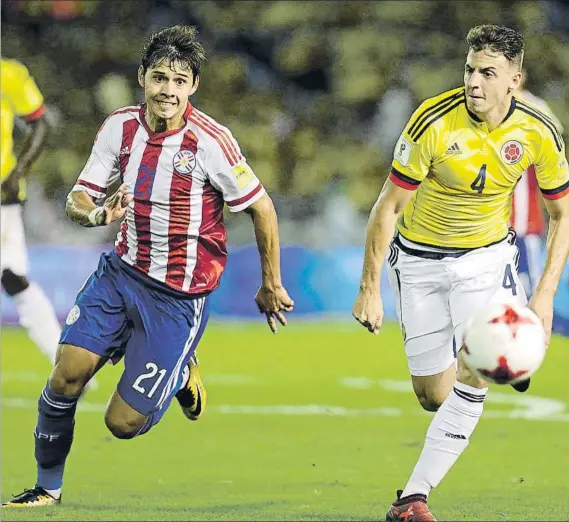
x: 153, y: 370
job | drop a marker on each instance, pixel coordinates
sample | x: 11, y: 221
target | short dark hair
x: 498, y: 39
x: 178, y: 44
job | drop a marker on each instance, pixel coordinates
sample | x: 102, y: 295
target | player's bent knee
x: 123, y: 421
x: 64, y: 381
x: 432, y: 390
x: 120, y: 428
x: 431, y: 402
x: 13, y: 283
x: 73, y: 369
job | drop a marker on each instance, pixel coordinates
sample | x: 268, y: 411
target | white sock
x: 447, y: 437
x: 55, y: 493
x: 38, y: 317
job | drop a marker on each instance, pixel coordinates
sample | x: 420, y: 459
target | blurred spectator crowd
x: 316, y: 92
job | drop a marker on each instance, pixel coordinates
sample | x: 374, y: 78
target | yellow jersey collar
x: 479, y: 121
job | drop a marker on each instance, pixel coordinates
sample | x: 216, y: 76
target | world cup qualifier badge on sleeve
x: 403, y: 151
x: 243, y: 174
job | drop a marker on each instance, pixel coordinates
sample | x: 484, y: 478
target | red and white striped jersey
x: 527, y: 212
x: 173, y: 230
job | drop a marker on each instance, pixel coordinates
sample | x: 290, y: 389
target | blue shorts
x: 119, y: 308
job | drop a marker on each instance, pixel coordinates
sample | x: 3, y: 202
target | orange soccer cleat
x: 412, y: 508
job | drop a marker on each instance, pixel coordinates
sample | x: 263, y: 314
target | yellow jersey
x: 464, y: 176
x: 20, y: 97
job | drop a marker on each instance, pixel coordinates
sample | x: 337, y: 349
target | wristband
x: 95, y: 216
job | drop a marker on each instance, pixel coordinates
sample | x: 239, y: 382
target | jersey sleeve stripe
x: 224, y: 136
x: 244, y: 199
x: 537, y: 111
x: 231, y: 158
x: 92, y: 186
x: 38, y: 113
x: 123, y: 110
x: 436, y: 107
x: 437, y: 116
x: 205, y: 127
x: 556, y: 193
x: 403, y: 181
x: 550, y: 126
x: 542, y: 115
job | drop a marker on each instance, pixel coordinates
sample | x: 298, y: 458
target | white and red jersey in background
x: 527, y: 216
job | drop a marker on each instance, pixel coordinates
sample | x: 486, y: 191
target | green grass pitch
x: 316, y: 423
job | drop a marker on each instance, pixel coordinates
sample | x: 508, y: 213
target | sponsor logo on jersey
x: 454, y: 150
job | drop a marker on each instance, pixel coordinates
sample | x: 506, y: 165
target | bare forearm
x: 79, y: 208
x: 557, y: 254
x: 267, y: 236
x: 379, y: 233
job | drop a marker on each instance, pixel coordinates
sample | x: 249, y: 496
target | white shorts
x: 14, y: 254
x: 435, y: 298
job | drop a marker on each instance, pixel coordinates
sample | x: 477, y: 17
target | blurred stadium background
x: 316, y: 94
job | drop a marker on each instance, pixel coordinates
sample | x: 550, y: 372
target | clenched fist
x: 368, y: 310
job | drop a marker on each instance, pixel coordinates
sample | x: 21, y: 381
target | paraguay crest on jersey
x: 184, y: 161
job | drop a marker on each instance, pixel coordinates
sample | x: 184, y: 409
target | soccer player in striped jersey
x: 149, y: 297
x: 448, y: 201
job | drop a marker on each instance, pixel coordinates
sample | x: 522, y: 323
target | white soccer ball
x: 504, y: 343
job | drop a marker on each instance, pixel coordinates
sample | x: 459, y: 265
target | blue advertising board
x: 321, y: 282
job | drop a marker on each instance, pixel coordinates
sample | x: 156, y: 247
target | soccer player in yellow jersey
x: 448, y: 201
x: 20, y: 97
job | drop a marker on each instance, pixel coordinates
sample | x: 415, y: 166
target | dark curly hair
x: 498, y: 39
x: 178, y: 44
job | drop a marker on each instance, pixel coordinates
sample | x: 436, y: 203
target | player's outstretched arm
x: 272, y: 298
x: 33, y: 144
x: 541, y: 301
x: 83, y: 210
x: 29, y: 153
x: 368, y: 307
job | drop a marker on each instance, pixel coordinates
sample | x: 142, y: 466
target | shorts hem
x: 430, y: 372
x: 86, y: 343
